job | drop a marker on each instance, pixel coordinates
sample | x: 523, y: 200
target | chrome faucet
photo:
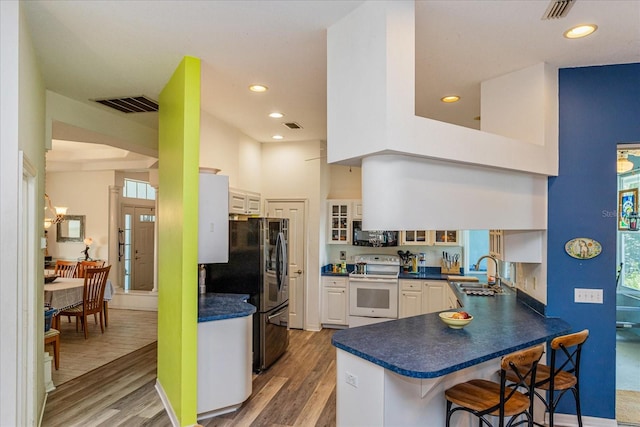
x: 476, y: 266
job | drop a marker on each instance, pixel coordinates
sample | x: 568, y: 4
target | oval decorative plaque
x: 583, y: 248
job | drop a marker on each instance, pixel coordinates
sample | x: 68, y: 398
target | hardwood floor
x: 128, y: 330
x: 299, y: 390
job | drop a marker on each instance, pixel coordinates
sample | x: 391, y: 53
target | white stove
x: 373, y: 295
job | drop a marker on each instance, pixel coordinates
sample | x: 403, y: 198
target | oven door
x: 370, y: 297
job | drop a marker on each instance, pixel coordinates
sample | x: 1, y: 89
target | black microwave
x: 376, y: 238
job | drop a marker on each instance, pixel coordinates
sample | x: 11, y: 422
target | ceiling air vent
x: 292, y: 125
x: 130, y: 104
x: 558, y: 9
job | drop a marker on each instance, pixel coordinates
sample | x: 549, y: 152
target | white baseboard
x: 167, y: 404
x: 134, y: 300
x: 567, y: 420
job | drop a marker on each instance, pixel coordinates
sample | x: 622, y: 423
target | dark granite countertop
x: 424, y: 347
x: 212, y: 306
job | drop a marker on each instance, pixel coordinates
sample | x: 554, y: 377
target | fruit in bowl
x: 456, y: 319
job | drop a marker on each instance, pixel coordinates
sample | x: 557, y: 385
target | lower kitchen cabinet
x: 410, y: 301
x: 425, y: 296
x: 335, y: 301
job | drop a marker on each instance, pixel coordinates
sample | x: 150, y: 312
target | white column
x: 114, y: 222
x: 155, y: 246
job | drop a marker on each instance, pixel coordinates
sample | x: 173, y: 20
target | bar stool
x: 562, y: 374
x: 482, y: 397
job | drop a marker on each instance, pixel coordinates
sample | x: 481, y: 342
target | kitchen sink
x: 480, y: 289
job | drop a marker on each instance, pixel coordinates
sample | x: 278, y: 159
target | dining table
x: 64, y: 293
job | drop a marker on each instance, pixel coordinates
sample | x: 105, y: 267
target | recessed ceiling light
x: 449, y: 99
x: 258, y: 88
x: 580, y: 31
x: 277, y: 137
x: 276, y: 115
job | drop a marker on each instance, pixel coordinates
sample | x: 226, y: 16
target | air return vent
x: 130, y: 104
x: 292, y: 125
x: 558, y: 9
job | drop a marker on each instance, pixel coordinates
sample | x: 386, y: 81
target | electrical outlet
x: 343, y: 255
x: 534, y: 282
x: 589, y: 296
x: 526, y: 284
x: 351, y: 379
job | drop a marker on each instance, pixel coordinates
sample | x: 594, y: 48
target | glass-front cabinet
x: 446, y: 237
x: 415, y: 237
x: 339, y: 221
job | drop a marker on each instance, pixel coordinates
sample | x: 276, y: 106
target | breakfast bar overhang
x: 395, y: 373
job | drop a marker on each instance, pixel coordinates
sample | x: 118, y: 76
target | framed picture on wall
x: 627, y: 203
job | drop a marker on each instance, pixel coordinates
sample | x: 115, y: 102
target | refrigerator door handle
x: 278, y: 314
x: 281, y: 260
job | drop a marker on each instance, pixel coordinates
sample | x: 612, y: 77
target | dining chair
x: 95, y: 280
x: 83, y: 265
x: 483, y: 398
x: 52, y: 336
x: 561, y: 375
x: 65, y: 268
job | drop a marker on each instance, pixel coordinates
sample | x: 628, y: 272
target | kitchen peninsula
x: 224, y: 352
x: 395, y: 373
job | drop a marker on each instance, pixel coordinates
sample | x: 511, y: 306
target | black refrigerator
x: 258, y: 266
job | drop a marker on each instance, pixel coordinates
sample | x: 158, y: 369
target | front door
x: 138, y: 247
x: 294, y: 210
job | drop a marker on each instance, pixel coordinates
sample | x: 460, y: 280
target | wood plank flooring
x: 299, y: 390
x: 128, y: 330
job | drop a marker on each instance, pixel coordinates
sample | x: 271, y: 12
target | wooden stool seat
x: 481, y: 395
x: 562, y: 381
x: 52, y: 336
x: 482, y: 398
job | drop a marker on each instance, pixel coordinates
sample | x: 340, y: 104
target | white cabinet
x: 213, y: 218
x: 425, y: 296
x: 244, y: 202
x: 516, y: 245
x: 335, y: 301
x: 410, y: 303
x: 446, y: 237
x: 430, y: 237
x: 224, y: 365
x: 415, y: 237
x: 434, y: 296
x: 356, y: 209
x: 339, y: 222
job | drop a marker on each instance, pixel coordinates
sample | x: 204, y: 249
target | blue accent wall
x: 599, y: 108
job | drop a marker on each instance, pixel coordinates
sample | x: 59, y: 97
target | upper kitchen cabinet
x: 446, y: 237
x: 339, y: 221
x: 244, y: 202
x: 213, y: 218
x: 415, y: 237
x: 356, y: 209
x: 431, y: 237
x: 516, y: 245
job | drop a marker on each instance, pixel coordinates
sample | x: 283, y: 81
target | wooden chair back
x: 570, y: 346
x: 521, y: 365
x: 83, y: 265
x: 65, y: 268
x: 95, y: 281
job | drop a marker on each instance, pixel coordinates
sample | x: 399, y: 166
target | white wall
x: 228, y: 149
x: 83, y: 193
x: 292, y: 170
x: 21, y: 128
x: 371, y: 100
x: 345, y: 182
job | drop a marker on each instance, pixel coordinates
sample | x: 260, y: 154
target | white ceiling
x: 98, y: 49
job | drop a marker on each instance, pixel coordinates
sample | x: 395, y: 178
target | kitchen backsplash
x: 433, y: 254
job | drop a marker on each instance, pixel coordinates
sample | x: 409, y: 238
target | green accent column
x: 179, y: 149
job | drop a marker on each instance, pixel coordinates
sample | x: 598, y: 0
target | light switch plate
x: 589, y: 296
